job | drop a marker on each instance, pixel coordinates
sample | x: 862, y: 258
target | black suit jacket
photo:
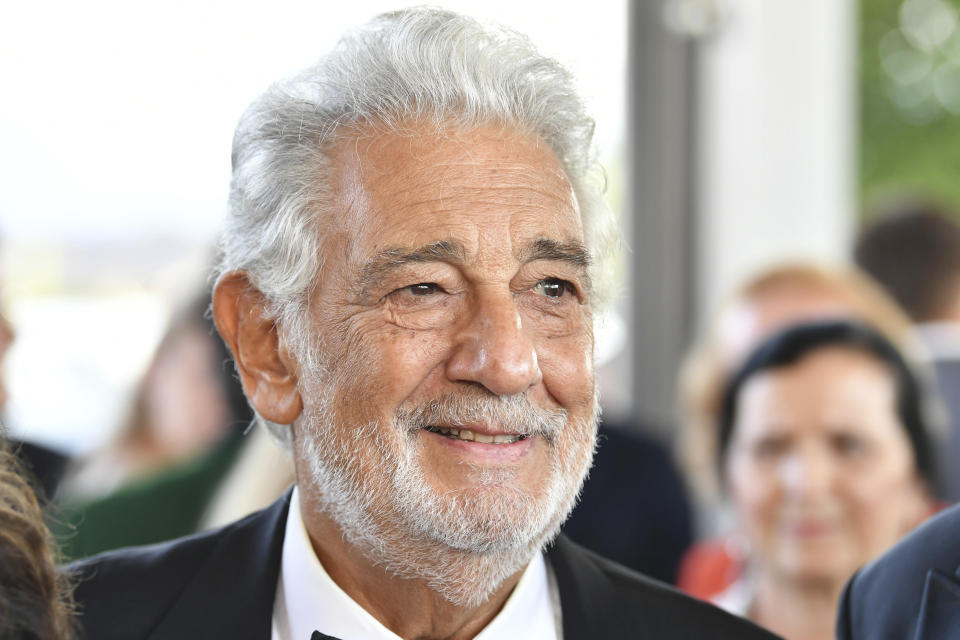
x: 948, y: 454
x: 221, y: 584
x: 633, y: 508
x: 910, y: 593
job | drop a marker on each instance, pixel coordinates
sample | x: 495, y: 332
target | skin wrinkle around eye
x: 384, y: 281
x: 389, y: 260
x: 554, y: 315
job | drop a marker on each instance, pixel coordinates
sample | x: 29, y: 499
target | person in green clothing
x: 183, y: 433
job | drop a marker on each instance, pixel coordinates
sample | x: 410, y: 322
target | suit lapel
x: 939, y: 617
x: 587, y: 601
x: 232, y: 592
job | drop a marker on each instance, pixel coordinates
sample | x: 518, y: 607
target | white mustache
x: 513, y: 414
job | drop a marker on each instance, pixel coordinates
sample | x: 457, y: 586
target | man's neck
x: 391, y: 599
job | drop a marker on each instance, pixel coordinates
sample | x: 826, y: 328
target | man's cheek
x: 418, y: 354
x: 568, y: 374
x: 393, y: 363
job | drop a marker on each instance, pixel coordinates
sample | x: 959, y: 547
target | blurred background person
x: 771, y: 299
x: 167, y: 473
x: 912, y: 248
x: 45, y: 465
x: 826, y: 455
x: 767, y: 302
x: 35, y: 601
x: 186, y: 402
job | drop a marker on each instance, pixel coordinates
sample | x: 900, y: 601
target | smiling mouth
x: 472, y: 436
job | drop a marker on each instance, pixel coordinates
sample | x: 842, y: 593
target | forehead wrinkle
x: 506, y: 193
x: 453, y: 195
x: 529, y: 173
x: 507, y: 198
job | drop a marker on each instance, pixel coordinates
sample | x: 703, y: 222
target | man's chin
x: 497, y: 517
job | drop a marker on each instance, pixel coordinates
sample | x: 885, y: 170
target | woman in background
x: 34, y: 598
x: 155, y: 481
x: 186, y: 403
x: 772, y: 299
x: 824, y: 451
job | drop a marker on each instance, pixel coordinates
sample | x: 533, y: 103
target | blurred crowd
x: 819, y: 422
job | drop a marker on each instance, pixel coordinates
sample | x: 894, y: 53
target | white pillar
x: 777, y: 126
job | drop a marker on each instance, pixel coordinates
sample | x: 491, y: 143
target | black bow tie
x: 321, y: 636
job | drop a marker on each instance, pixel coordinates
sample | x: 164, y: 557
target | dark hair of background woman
x: 790, y: 345
x: 35, y: 601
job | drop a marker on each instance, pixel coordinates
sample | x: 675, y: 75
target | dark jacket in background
x: 45, y: 467
x: 947, y: 371
x: 634, y: 507
x: 910, y: 593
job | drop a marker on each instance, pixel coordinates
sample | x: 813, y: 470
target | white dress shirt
x: 308, y: 599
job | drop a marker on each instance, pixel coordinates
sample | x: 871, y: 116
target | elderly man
x: 406, y: 284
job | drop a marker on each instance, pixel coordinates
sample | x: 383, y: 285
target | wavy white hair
x: 422, y: 65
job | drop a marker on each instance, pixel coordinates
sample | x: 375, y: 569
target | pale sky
x: 117, y: 116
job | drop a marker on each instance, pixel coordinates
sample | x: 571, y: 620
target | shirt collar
x: 308, y: 599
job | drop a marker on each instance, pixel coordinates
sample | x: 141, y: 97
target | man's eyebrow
x: 545, y: 249
x: 389, y: 259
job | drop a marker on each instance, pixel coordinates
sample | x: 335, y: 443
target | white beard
x: 464, y: 545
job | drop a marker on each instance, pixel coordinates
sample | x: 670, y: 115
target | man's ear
x: 266, y: 368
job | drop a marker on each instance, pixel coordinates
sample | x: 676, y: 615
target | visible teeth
x: 470, y: 436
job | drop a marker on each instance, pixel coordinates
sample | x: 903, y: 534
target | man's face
x: 456, y: 402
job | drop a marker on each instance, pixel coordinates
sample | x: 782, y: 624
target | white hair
x: 422, y: 65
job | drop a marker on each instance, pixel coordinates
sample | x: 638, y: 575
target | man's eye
x: 553, y: 287
x: 423, y: 289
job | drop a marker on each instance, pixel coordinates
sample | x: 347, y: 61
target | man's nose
x: 493, y: 349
